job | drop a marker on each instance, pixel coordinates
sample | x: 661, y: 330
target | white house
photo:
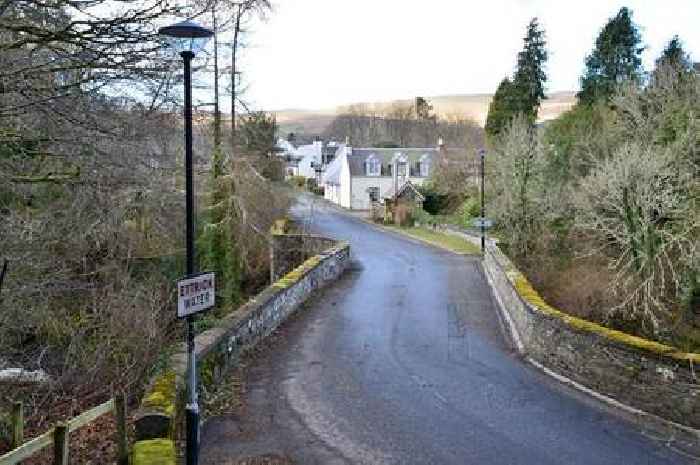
x: 359, y: 176
x: 301, y: 161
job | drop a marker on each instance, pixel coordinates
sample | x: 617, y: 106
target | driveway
x: 404, y: 361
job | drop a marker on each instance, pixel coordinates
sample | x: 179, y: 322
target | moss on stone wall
x: 154, y: 452
x: 297, y: 273
x: 163, y: 395
x: 531, y: 296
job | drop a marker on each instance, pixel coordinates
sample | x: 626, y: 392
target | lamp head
x: 186, y: 36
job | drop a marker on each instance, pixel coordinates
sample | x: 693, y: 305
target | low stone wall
x: 643, y: 374
x: 219, y: 348
x: 287, y: 251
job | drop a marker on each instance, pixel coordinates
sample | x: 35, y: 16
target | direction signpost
x: 482, y: 223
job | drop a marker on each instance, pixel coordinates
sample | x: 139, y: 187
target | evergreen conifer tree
x: 220, y: 252
x: 502, y: 108
x: 674, y: 55
x: 615, y: 58
x: 530, y: 76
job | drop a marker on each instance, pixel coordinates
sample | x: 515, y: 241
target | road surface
x: 404, y: 361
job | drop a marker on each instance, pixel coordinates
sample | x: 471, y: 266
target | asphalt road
x: 403, y: 361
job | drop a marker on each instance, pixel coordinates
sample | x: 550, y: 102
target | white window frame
x: 373, y: 189
x: 373, y: 167
x: 424, y: 165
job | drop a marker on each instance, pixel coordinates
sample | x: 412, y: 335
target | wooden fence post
x: 60, y: 444
x: 120, y: 416
x: 17, y: 425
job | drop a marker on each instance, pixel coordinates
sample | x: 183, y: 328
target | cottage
x: 359, y: 177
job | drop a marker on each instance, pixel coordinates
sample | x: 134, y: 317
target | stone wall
x: 287, y: 251
x: 219, y: 348
x: 643, y: 374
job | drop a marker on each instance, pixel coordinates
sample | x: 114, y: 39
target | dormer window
x: 424, y: 166
x: 373, y: 167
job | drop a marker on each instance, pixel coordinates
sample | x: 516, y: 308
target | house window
x: 401, y: 169
x: 424, y: 166
x: 373, y: 167
x: 373, y: 194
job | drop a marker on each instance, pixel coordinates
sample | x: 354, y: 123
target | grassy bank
x: 438, y: 239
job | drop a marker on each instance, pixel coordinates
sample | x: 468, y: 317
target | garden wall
x: 219, y: 348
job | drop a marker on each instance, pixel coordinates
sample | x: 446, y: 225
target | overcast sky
x: 322, y: 53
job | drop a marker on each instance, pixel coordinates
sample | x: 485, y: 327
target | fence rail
x: 59, y: 435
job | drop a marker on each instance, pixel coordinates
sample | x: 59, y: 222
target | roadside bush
x: 403, y: 215
x: 297, y: 181
x: 470, y: 209
x: 435, y: 201
x: 421, y: 216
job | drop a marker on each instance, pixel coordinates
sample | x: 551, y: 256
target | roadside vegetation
x: 600, y: 206
x: 92, y: 196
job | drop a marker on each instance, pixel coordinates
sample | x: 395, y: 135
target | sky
x: 314, y: 54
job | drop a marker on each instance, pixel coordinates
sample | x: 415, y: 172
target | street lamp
x: 189, y: 38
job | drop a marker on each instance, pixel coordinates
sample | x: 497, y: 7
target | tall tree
x: 502, y: 108
x: 525, y: 91
x: 615, y: 58
x: 674, y: 55
x: 244, y: 11
x: 530, y: 76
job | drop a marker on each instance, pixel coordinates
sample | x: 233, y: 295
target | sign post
x: 195, y: 294
x: 482, y: 223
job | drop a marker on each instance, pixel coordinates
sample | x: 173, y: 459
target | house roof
x: 357, y: 159
x: 408, y: 185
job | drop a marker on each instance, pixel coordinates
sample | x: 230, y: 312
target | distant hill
x: 474, y: 106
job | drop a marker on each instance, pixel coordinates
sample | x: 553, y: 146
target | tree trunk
x: 217, y: 111
x: 234, y: 49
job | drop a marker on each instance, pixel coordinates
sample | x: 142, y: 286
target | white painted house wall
x: 345, y: 185
x: 361, y: 185
x: 309, y: 154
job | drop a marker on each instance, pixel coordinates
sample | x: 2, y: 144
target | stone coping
x: 536, y: 303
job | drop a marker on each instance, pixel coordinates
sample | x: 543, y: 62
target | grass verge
x: 439, y: 239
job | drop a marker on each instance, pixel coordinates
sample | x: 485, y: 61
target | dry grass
x: 579, y: 287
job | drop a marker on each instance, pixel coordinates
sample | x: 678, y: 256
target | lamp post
x: 188, y: 38
x: 482, y: 155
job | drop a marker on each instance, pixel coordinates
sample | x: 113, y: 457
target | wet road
x: 404, y: 362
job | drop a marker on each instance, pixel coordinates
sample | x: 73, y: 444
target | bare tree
x: 244, y: 12
x: 644, y: 216
x: 516, y: 170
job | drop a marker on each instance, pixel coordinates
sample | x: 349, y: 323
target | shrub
x: 297, y: 181
x: 470, y: 209
x: 421, y: 216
